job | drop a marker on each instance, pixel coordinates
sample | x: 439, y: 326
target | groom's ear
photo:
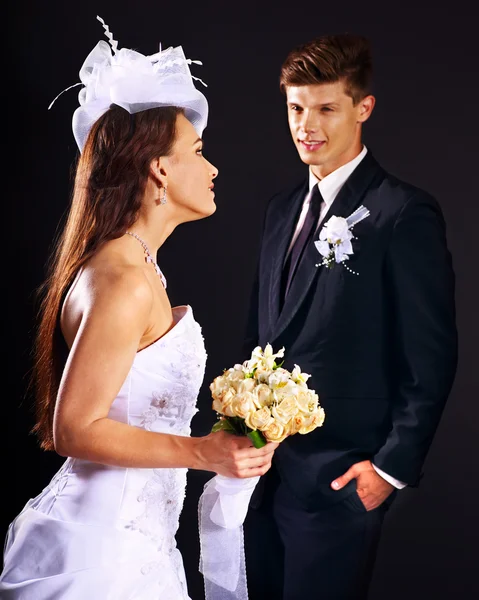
x: 365, y: 108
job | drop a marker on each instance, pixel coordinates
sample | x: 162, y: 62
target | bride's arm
x: 113, y: 310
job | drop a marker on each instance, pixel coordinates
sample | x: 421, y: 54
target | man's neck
x: 322, y: 171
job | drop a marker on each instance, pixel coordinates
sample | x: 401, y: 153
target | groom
x: 377, y: 334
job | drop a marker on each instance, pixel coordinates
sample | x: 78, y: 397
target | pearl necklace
x: 149, y: 257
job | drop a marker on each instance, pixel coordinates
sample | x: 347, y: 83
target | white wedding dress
x: 108, y: 533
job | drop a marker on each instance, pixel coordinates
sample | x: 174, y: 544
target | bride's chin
x: 210, y: 210
x: 203, y: 213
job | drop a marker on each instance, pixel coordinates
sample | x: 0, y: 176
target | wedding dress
x: 98, y: 532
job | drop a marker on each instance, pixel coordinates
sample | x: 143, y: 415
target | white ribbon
x: 358, y: 215
x: 221, y: 511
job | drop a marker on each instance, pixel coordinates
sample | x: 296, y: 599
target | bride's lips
x: 311, y: 146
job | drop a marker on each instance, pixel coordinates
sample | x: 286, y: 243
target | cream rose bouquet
x: 262, y: 400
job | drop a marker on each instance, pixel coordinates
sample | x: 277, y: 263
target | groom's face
x: 326, y: 125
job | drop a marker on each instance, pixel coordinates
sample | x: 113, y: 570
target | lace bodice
x: 161, y: 389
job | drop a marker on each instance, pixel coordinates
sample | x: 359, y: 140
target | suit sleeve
x: 424, y: 352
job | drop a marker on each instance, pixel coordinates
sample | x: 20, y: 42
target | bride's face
x: 189, y: 175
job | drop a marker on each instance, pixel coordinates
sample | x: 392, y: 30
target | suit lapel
x: 348, y: 199
x: 354, y: 189
x: 284, y: 219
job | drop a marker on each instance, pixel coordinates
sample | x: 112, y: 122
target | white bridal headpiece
x: 135, y: 82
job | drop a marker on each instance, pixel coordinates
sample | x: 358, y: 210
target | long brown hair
x: 330, y: 58
x: 110, y: 181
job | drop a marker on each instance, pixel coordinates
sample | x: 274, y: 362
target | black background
x: 423, y: 129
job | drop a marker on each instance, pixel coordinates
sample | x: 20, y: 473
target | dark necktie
x: 305, y: 235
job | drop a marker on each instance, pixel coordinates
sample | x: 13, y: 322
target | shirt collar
x: 330, y: 185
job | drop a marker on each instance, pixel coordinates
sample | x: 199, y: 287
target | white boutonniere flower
x: 335, y: 237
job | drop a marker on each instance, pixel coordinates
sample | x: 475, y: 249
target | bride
x: 117, y: 369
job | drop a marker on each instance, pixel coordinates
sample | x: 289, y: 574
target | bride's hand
x: 233, y: 456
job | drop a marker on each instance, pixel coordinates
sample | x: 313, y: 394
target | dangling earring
x: 163, y: 198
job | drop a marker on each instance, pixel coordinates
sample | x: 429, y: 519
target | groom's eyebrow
x: 331, y: 103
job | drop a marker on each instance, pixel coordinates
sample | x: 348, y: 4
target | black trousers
x: 293, y: 553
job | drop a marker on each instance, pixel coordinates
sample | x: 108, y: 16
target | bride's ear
x: 159, y: 171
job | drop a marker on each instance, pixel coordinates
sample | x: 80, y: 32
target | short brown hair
x: 330, y: 58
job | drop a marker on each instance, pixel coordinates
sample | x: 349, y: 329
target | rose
x: 285, y: 410
x: 217, y: 406
x: 218, y: 387
x: 311, y: 422
x: 335, y: 237
x: 336, y: 230
x: 296, y: 423
x: 243, y: 404
x: 321, y: 416
x: 263, y: 396
x: 226, y: 401
x: 275, y: 432
x: 247, y: 385
x: 307, y: 401
x: 235, y: 377
x: 259, y: 419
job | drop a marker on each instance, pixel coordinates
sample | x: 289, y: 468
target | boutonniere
x: 335, y: 237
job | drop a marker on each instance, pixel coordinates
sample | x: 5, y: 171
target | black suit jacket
x: 381, y: 346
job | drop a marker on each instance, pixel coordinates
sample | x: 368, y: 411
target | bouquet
x: 263, y: 401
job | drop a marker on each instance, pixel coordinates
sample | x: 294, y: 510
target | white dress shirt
x: 329, y: 187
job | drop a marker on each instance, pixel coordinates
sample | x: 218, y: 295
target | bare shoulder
x: 108, y: 294
x: 117, y: 287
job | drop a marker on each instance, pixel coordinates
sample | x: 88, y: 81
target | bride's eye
x: 200, y: 151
